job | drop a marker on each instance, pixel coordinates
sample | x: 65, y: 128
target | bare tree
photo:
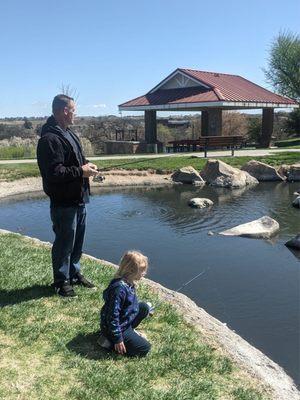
x: 68, y: 90
x: 234, y: 123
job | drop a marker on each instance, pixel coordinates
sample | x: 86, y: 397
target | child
x: 122, y: 312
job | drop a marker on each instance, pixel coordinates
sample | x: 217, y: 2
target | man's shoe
x: 64, y: 289
x: 80, y: 280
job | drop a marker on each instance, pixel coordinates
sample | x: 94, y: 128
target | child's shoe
x: 151, y: 308
x: 104, y: 342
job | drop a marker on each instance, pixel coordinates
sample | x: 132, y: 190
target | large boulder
x: 263, y: 228
x: 296, y: 202
x: 283, y: 170
x: 198, y: 202
x: 294, y: 243
x: 218, y: 173
x: 292, y: 172
x: 187, y: 175
x: 262, y: 172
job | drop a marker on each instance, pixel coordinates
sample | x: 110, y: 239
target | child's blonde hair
x: 132, y: 262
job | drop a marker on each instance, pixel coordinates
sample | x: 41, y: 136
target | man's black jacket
x: 60, y: 166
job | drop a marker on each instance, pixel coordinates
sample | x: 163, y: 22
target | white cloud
x: 40, y: 104
x: 101, y: 105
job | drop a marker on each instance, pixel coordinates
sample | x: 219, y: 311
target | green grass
x: 291, y: 143
x: 12, y: 152
x: 169, y: 164
x: 10, y: 172
x: 48, y: 344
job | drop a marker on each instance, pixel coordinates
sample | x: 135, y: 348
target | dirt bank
x: 112, y: 178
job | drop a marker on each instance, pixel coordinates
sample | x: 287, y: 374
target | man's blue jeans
x: 69, y: 228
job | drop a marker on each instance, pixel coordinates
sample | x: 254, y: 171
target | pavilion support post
x: 267, y: 127
x: 204, y: 123
x: 211, y: 123
x: 150, y: 127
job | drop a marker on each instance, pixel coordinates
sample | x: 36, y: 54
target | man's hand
x: 120, y: 348
x: 94, y: 166
x: 89, y: 170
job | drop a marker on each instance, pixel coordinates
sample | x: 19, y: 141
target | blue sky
x: 111, y: 52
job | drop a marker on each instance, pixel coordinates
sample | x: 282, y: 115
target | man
x: 65, y: 173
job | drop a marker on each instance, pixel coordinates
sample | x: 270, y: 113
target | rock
x: 294, y: 173
x: 218, y: 173
x: 198, y: 183
x: 283, y: 170
x: 198, y: 202
x: 264, y: 228
x: 296, y: 202
x: 262, y: 172
x: 294, y: 243
x: 187, y: 175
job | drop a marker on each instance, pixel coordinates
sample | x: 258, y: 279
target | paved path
x: 211, y: 154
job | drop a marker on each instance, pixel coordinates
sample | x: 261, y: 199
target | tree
x: 254, y: 128
x: 68, y: 90
x: 293, y: 122
x: 283, y: 71
x: 234, y: 123
x: 27, y: 124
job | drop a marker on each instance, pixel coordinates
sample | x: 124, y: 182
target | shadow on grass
x: 11, y: 297
x: 86, y: 346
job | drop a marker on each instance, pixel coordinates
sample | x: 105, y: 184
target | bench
x: 205, y: 143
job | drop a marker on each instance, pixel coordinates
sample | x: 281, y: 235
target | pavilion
x: 210, y: 93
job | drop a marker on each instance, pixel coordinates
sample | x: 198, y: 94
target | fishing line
x: 152, y: 308
x: 191, y: 280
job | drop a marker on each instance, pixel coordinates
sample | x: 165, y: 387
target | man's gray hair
x: 60, y: 101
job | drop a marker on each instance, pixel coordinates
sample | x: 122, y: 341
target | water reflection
x: 296, y: 253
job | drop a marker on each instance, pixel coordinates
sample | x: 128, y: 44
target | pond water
x: 252, y: 285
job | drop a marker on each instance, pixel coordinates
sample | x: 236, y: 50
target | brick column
x: 211, y: 122
x: 204, y: 123
x: 267, y: 127
x: 150, y: 126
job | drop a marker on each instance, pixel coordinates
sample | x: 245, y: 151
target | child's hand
x: 120, y: 348
x: 151, y: 308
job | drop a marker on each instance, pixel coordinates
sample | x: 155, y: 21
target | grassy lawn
x: 291, y: 143
x: 48, y: 344
x: 11, y: 152
x: 10, y: 172
x: 169, y: 164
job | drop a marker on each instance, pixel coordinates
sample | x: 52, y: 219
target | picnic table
x: 205, y: 143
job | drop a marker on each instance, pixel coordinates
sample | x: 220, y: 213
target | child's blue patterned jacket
x: 120, y: 308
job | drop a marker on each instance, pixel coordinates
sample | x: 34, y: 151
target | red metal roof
x: 221, y: 88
